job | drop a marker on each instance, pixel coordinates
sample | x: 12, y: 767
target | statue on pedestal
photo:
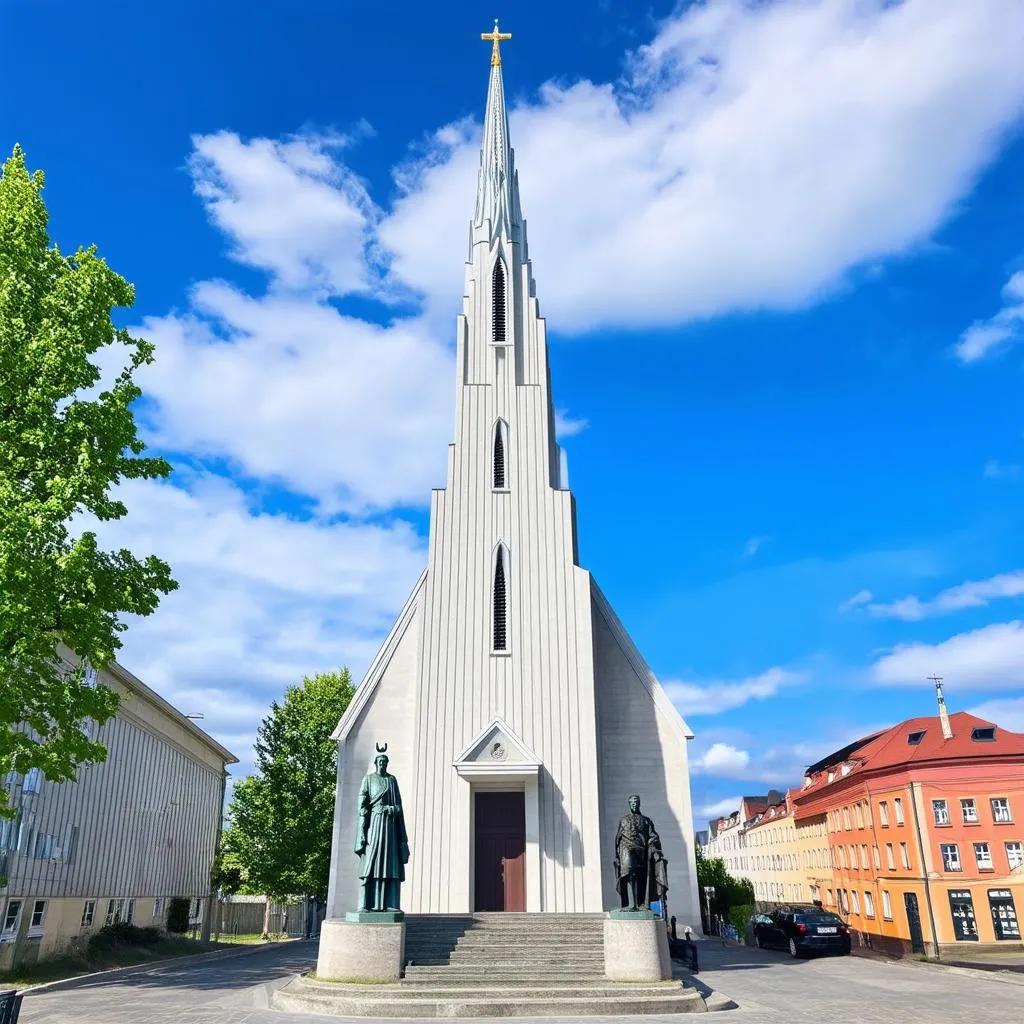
x: 382, y: 842
x: 640, y: 867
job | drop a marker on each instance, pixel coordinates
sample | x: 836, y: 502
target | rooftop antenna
x: 947, y: 731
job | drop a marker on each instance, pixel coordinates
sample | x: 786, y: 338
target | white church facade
x: 519, y: 715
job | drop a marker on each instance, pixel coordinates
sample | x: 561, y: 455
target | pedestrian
x: 691, y: 949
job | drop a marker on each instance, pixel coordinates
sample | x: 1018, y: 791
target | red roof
x: 892, y: 749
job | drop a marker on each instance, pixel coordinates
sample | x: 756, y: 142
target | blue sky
x: 780, y: 247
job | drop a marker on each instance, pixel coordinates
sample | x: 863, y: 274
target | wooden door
x: 500, y: 851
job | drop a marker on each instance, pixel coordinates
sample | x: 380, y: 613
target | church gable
x: 497, y: 746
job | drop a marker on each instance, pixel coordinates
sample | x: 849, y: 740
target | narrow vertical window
x: 498, y: 299
x: 500, y: 601
x: 499, y: 477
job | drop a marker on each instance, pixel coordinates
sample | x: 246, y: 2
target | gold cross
x: 495, y: 37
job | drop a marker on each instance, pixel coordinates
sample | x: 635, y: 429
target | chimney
x: 947, y: 731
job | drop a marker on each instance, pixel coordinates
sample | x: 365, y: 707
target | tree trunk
x: 266, y: 918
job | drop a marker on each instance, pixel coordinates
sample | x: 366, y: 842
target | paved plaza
x: 767, y: 986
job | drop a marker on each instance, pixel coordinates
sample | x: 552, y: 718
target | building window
x: 905, y: 856
x: 499, y: 476
x: 983, y: 734
x: 858, y: 816
x: 864, y: 855
x: 35, y: 925
x: 120, y: 910
x: 1015, y: 854
x: 158, y: 908
x: 876, y: 857
x: 883, y: 813
x: 950, y: 857
x: 886, y: 905
x: 940, y: 812
x: 1004, y: 914
x: 855, y: 901
x: 498, y: 316
x: 500, y: 625
x: 914, y: 738
x: 831, y: 898
x: 890, y: 863
x: 961, y: 907
x: 1001, y: 810
x: 969, y: 812
x: 846, y: 819
x: 12, y: 916
x: 897, y: 806
x: 869, y: 904
x: 983, y: 855
x: 88, y: 913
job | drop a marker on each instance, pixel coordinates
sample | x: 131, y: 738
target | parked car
x: 802, y: 930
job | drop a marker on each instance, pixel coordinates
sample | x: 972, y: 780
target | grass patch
x: 253, y: 939
x: 346, y: 981
x: 111, y: 947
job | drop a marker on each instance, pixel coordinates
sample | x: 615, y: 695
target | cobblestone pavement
x: 767, y: 986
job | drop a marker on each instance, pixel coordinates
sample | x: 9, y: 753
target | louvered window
x: 500, y: 603
x: 498, y: 317
x: 499, y: 457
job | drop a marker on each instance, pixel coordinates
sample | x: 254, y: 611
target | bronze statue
x: 381, y: 839
x: 641, y: 874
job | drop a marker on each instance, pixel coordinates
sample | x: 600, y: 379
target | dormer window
x: 498, y: 304
x: 913, y: 738
x: 986, y: 734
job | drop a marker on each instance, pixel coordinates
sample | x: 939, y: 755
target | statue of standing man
x: 382, y: 842
x: 640, y: 867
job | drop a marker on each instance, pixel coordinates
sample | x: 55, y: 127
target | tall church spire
x: 497, y: 192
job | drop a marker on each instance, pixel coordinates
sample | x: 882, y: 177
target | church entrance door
x: 500, y: 851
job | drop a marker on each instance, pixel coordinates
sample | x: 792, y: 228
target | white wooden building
x: 118, y: 843
x: 518, y: 712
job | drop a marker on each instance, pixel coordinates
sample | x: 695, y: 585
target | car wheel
x: 793, y: 951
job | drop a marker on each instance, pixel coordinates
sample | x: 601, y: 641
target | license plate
x: 826, y: 931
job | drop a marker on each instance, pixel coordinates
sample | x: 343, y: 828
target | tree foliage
x: 729, y: 892
x: 61, y: 452
x: 279, y: 820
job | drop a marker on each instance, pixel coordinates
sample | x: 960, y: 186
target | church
x: 518, y: 713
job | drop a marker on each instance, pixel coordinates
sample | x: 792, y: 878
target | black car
x: 802, y: 930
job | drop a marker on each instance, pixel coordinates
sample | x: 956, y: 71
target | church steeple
x: 497, y: 192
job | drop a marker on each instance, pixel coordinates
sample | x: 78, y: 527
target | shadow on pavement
x: 225, y: 973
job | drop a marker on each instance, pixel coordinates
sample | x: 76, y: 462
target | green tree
x: 279, y: 820
x: 729, y: 892
x: 61, y: 452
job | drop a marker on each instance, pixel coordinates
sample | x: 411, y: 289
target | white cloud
x: 985, y: 337
x: 1007, y: 713
x: 988, y: 658
x: 290, y: 207
x: 714, y: 697
x: 754, y: 155
x: 290, y: 390
x: 722, y: 759
x: 725, y: 806
x: 752, y: 546
x: 973, y: 594
x: 861, y: 597
x: 996, y: 470
x: 567, y: 426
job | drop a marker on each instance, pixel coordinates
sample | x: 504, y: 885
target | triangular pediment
x: 496, y: 746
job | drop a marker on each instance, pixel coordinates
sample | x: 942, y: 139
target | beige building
x: 123, y: 839
x: 786, y: 861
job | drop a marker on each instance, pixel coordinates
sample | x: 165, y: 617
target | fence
x: 245, y: 915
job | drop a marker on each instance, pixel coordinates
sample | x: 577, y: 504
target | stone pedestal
x: 364, y: 949
x: 636, y: 947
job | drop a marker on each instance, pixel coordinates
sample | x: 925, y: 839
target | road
x: 769, y: 987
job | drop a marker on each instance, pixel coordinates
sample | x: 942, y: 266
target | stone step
x: 498, y: 972
x: 387, y: 1001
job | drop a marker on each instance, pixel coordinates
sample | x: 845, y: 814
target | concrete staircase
x: 496, y: 965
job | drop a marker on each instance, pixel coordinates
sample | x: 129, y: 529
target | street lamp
x: 709, y: 892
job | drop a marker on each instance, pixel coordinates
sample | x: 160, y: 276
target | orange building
x: 926, y: 834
